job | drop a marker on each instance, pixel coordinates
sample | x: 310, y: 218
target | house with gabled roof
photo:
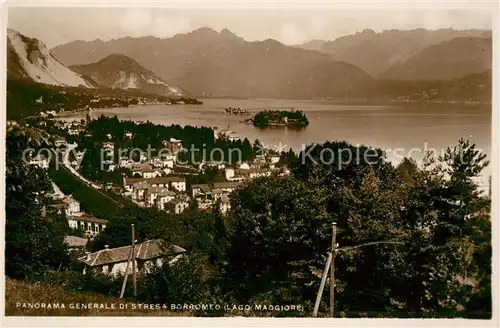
x: 227, y: 187
x: 113, y: 261
x: 198, y: 190
x: 139, y: 190
x: 164, y: 197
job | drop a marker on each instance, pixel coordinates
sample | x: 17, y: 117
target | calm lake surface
x: 404, y: 126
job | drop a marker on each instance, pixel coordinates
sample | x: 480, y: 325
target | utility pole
x: 126, y: 273
x: 322, y: 285
x: 134, y: 282
x: 332, y: 270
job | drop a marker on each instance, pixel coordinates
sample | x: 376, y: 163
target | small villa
x: 113, y: 261
x: 90, y: 225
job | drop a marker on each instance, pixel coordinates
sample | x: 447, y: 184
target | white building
x: 225, y: 204
x: 231, y: 176
x: 139, y: 190
x: 40, y: 161
x: 164, y: 197
x: 180, y: 204
x: 226, y: 187
x: 113, y: 261
x: 72, y: 206
x: 90, y: 225
x: 199, y: 189
x: 152, y: 194
x: 177, y: 183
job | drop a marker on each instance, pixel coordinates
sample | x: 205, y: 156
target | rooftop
x: 203, y: 187
x: 74, y: 241
x: 166, y: 193
x: 87, y: 218
x: 158, y: 180
x: 224, y: 185
x: 144, y: 251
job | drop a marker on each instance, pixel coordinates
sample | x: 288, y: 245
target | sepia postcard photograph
x: 250, y: 160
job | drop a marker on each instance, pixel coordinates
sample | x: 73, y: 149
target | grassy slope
x: 18, y: 292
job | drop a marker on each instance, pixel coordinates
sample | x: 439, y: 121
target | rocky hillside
x: 121, y: 72
x: 29, y: 58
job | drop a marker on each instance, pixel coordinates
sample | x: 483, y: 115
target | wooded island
x: 272, y: 118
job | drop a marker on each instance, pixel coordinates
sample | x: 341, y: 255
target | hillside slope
x: 121, y: 72
x: 29, y: 58
x: 447, y: 60
x: 475, y: 87
x: 375, y: 52
x: 19, y: 295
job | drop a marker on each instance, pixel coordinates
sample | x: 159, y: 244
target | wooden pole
x: 322, y: 285
x: 134, y: 281
x: 126, y: 273
x: 332, y: 270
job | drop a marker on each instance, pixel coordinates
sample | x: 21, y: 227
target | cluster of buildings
x: 165, y: 193
x: 77, y: 219
x: 225, y: 134
x: 207, y: 195
x: 172, y: 194
x: 143, y: 165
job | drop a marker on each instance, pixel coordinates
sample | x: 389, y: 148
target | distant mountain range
x: 29, y: 59
x: 316, y: 45
x: 379, y: 53
x: 208, y: 63
x: 118, y: 71
x: 447, y: 60
x: 213, y: 64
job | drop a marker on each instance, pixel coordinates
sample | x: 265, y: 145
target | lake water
x: 406, y: 127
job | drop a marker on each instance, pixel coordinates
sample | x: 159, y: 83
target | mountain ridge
x: 29, y: 58
x: 377, y: 52
x: 122, y: 72
x: 447, y: 60
x: 209, y: 63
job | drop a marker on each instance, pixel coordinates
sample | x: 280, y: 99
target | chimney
x: 88, y: 255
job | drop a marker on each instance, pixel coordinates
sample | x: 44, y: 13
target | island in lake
x: 236, y: 111
x: 279, y: 118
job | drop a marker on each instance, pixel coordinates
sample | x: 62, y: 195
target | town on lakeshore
x: 318, y: 163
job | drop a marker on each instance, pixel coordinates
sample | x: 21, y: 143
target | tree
x: 278, y: 232
x: 440, y: 267
x: 34, y: 243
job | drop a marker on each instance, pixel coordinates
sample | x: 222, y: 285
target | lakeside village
x: 158, y: 182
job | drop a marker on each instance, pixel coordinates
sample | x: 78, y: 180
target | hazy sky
x: 291, y: 26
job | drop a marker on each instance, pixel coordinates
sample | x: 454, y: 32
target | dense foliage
x: 199, y: 144
x: 271, y: 247
x: 33, y: 242
x: 291, y: 118
x: 280, y: 233
x: 92, y: 201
